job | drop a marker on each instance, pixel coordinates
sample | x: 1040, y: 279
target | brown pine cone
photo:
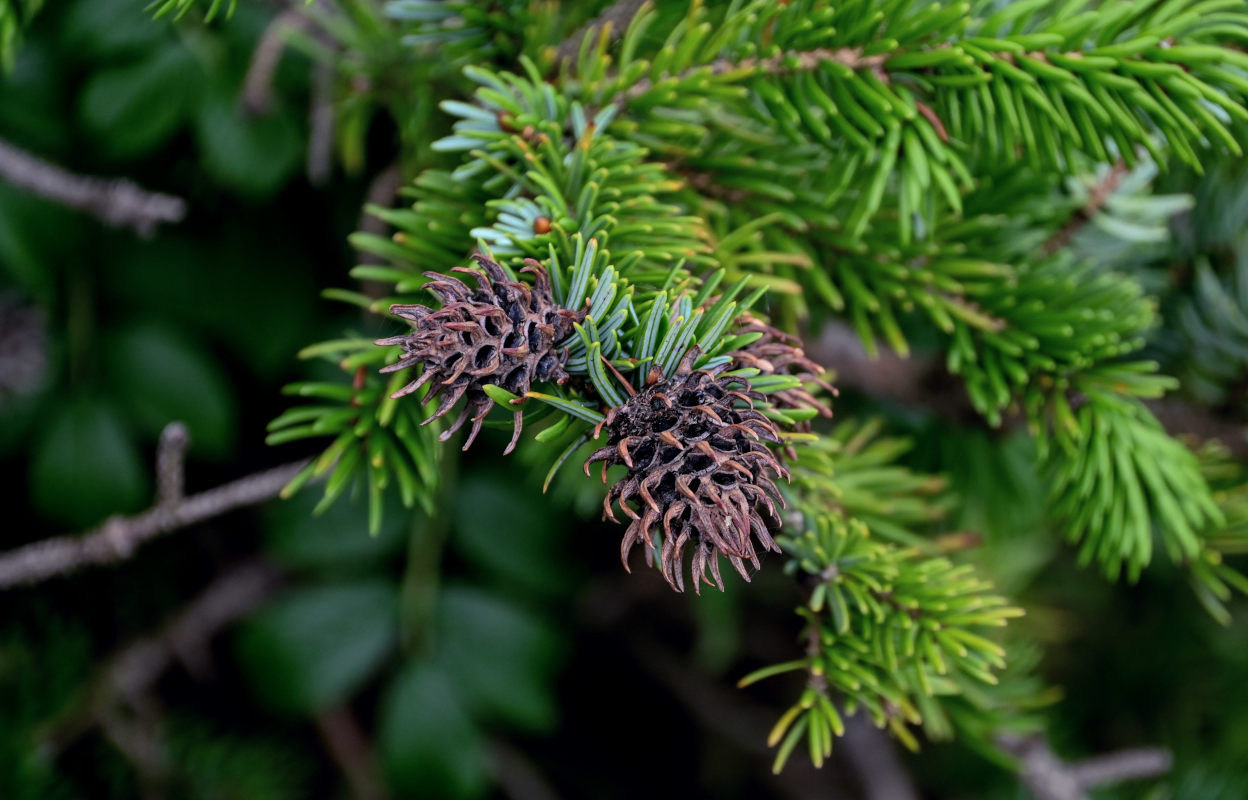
x: 504, y: 333
x: 698, y: 469
x: 778, y: 353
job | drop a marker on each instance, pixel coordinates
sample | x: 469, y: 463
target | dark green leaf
x: 314, y: 647
x: 137, y: 107
x: 85, y: 466
x: 334, y: 541
x: 500, y: 656
x: 522, y: 549
x: 254, y: 155
x: 162, y: 378
x: 428, y: 744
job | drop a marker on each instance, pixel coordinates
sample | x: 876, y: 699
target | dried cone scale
x: 699, y: 472
x: 504, y: 332
x: 778, y: 353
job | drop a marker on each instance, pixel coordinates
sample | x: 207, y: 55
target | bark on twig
x: 517, y: 776
x: 129, y: 675
x: 118, y: 538
x: 381, y: 192
x: 1047, y: 777
x: 321, y: 125
x: 1097, y: 198
x: 1125, y: 765
x: 170, y: 457
x: 134, y: 670
x: 257, y: 98
x: 872, y: 755
x: 348, y: 745
x: 925, y: 383
x: 23, y: 348
x: 617, y: 15
x: 115, y: 202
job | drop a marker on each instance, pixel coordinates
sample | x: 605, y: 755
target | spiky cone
x: 778, y: 353
x: 504, y: 333
x: 699, y: 471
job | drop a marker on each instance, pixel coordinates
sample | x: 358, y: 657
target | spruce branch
x: 120, y: 537
x: 785, y: 63
x: 613, y: 18
x: 926, y: 383
x: 118, y: 203
x: 1098, y: 196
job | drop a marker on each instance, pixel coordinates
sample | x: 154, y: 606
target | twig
x: 348, y: 745
x: 381, y: 192
x: 1125, y: 765
x: 23, y: 348
x: 617, y: 16
x: 926, y: 383
x: 321, y: 124
x: 138, y: 738
x: 130, y: 674
x: 118, y: 538
x: 780, y: 64
x: 1041, y: 771
x: 1183, y: 419
x: 170, y: 455
x: 1098, y: 196
x: 1047, y: 777
x: 135, y: 669
x: 517, y: 776
x: 728, y: 714
x: 257, y: 97
x: 115, y: 202
x: 872, y: 756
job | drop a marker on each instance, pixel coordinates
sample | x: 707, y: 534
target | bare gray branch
x: 115, y: 202
x: 118, y: 538
x: 1048, y: 777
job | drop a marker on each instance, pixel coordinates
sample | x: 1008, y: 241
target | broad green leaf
x: 314, y: 647
x: 334, y: 541
x: 136, y: 107
x: 500, y: 656
x: 253, y: 155
x: 429, y: 745
x: 85, y: 466
x: 161, y: 377
x: 98, y: 29
x: 522, y: 550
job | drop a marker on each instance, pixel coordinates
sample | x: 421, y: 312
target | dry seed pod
x: 505, y: 333
x: 699, y: 472
x: 778, y: 353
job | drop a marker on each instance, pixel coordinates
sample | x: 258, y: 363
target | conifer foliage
x: 694, y: 192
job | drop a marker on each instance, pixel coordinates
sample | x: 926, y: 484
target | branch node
x: 170, y: 457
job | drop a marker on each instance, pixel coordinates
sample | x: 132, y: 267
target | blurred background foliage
x: 494, y: 649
